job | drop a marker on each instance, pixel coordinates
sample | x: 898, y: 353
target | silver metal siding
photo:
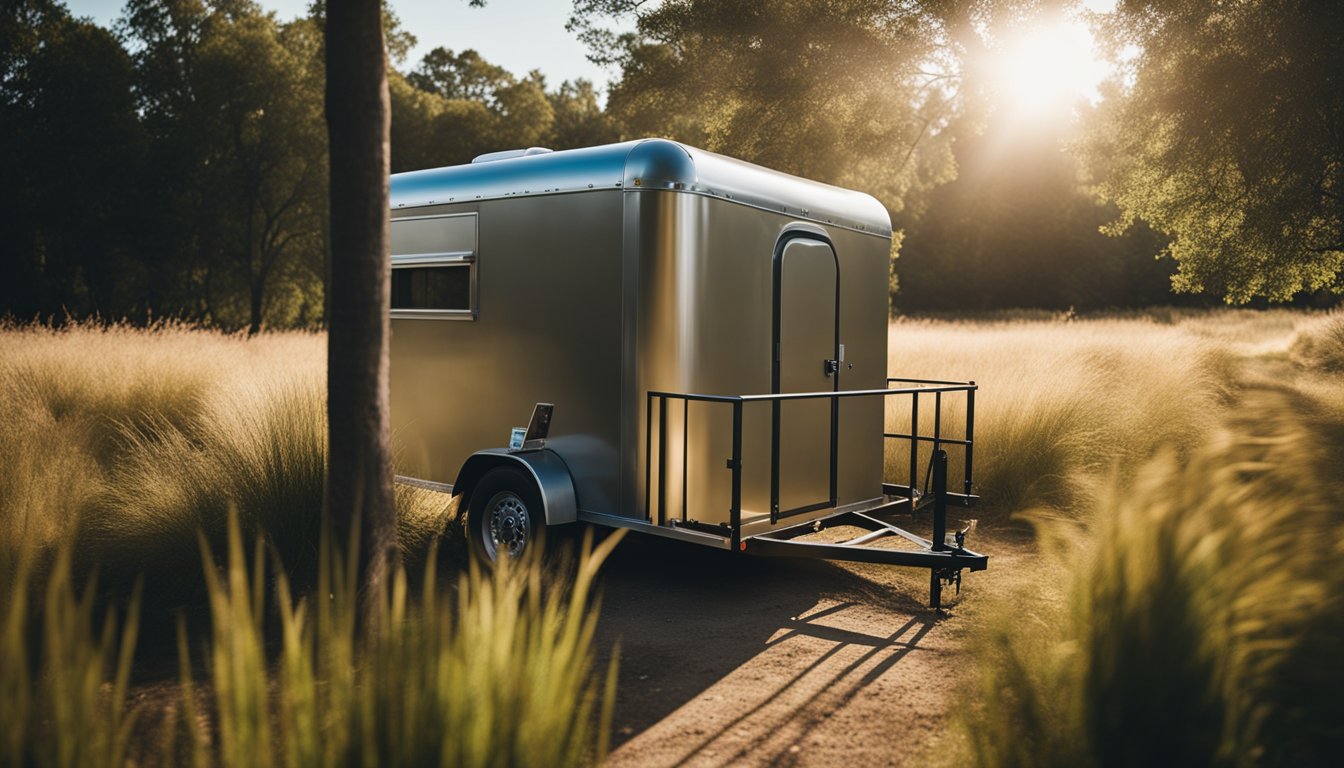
x: 864, y: 313
x: 548, y: 329
x: 702, y: 307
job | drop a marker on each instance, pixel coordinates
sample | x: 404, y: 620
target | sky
x: 522, y: 35
x: 519, y: 35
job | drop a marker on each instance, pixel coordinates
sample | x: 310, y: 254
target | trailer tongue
x: 945, y: 561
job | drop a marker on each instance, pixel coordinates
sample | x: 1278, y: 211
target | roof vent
x: 509, y: 154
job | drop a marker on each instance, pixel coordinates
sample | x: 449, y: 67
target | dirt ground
x: 738, y: 660
x: 742, y: 661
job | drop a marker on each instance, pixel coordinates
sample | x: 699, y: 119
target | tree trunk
x: 359, y: 469
x: 254, y: 307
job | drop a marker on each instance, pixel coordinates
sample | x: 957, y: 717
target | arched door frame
x: 787, y: 235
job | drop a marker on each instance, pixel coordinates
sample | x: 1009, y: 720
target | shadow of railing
x: 687, y: 618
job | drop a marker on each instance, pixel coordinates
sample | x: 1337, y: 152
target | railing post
x: 835, y: 449
x: 662, y: 460
x: 735, y: 513
x: 939, y: 501
x: 914, y: 446
x: 685, y: 441
x: 970, y: 435
x: 937, y: 419
x: 648, y: 456
x: 774, y: 460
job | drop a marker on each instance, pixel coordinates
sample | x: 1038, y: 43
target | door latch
x: 832, y: 367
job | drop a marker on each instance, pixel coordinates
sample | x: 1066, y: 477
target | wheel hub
x: 507, y: 526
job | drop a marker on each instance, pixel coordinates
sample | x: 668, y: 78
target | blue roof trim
x: 639, y: 165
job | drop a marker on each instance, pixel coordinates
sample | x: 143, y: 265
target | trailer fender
x: 546, y: 469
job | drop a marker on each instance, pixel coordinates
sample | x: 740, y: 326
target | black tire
x: 505, y: 514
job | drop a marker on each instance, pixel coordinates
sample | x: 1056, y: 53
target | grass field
x: 1184, y: 468
x: 135, y: 466
x: 128, y: 442
x: 1202, y: 619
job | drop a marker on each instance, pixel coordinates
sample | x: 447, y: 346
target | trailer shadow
x: 726, y: 656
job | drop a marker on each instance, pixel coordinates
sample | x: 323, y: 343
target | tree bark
x: 254, y: 308
x: 359, y: 469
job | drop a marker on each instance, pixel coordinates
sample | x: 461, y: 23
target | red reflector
x: 742, y: 546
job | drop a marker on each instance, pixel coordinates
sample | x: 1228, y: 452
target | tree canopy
x: 454, y: 106
x: 1228, y: 139
x: 851, y: 92
x: 71, y: 138
x: 176, y: 164
x: 1018, y: 228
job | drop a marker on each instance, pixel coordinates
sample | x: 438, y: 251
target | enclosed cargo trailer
x: 711, y: 335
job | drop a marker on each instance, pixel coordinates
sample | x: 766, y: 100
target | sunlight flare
x: 1044, y: 66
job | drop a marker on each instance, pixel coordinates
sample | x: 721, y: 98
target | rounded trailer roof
x: 643, y: 164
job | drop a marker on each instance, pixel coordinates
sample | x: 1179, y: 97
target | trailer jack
x: 939, y: 578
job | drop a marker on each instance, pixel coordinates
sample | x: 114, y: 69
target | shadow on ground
x: 735, y: 659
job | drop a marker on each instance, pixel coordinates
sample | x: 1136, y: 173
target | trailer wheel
x: 504, y: 515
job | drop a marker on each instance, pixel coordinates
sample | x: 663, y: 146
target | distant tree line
x: 1019, y: 228
x: 172, y: 167
x: 175, y: 166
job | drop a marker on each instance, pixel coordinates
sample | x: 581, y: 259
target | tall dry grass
x: 130, y: 441
x: 1321, y: 346
x: 1065, y: 402
x: 1204, y: 623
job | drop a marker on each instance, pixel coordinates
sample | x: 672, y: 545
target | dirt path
x: 754, y: 661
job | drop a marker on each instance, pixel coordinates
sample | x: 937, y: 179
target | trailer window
x: 432, y: 287
x: 434, y: 266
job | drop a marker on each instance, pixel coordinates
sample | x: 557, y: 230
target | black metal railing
x: 923, y: 387
x: 937, y: 388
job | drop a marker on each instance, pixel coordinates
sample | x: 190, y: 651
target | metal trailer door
x: 806, y: 331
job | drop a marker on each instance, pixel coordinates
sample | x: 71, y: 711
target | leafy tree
x: 231, y: 100
x: 852, y: 92
x: 460, y: 76
x: 1228, y: 140
x: 523, y: 114
x: 72, y: 144
x: 429, y: 130
x: 257, y: 84
x: 165, y: 36
x: 454, y: 107
x: 1019, y: 228
x: 579, y: 120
